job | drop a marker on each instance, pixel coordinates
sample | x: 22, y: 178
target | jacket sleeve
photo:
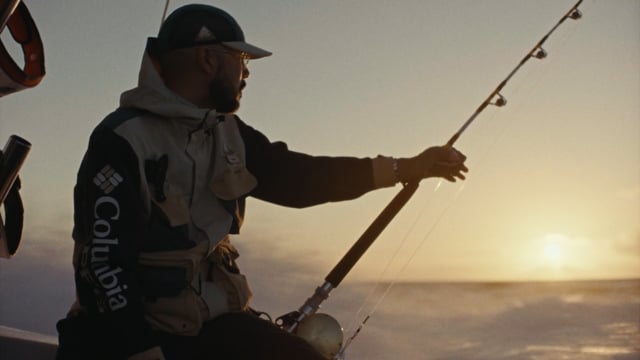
x: 108, y: 221
x: 294, y: 179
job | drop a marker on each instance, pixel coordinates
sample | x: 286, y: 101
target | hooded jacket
x: 161, y: 175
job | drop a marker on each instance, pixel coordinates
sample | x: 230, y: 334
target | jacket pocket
x: 172, y: 305
x: 181, y: 315
x: 225, y: 274
x: 234, y: 285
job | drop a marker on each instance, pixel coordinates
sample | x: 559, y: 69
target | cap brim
x: 253, y: 52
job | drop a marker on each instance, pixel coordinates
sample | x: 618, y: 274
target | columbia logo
x: 107, y: 179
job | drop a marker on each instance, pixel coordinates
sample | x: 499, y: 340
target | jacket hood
x: 152, y: 95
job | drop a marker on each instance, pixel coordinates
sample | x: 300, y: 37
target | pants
x: 231, y: 336
x: 240, y: 336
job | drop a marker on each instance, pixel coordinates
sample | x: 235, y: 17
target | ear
x: 207, y: 60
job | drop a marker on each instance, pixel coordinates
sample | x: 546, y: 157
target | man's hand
x: 438, y: 161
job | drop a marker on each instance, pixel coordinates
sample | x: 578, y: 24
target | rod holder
x: 14, y: 154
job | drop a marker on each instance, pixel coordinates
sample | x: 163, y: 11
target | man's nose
x: 245, y: 71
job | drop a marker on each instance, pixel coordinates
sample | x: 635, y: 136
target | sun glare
x: 553, y: 251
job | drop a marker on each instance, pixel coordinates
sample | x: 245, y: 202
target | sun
x: 553, y: 250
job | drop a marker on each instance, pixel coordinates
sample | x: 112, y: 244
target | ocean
x: 580, y: 320
x: 585, y: 320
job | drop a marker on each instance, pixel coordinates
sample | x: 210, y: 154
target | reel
x: 323, y: 332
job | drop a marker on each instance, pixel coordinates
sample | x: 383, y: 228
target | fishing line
x: 394, y: 256
x: 404, y: 266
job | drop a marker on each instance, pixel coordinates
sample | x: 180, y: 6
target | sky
x: 553, y: 191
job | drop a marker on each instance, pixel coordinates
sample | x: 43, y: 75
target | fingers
x: 450, y: 165
x: 439, y: 161
x: 454, y: 176
x: 460, y: 175
x: 451, y: 155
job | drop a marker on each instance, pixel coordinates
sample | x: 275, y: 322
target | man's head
x: 202, y: 54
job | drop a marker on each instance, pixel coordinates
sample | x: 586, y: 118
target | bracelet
x: 396, y: 169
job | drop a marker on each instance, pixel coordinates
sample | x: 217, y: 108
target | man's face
x: 225, y: 89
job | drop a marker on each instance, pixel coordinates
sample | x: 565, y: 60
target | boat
x: 21, y: 344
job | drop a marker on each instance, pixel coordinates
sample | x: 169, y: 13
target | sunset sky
x: 553, y: 191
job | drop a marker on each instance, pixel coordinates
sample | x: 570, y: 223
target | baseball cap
x: 198, y: 24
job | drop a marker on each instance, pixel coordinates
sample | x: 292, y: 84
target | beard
x: 224, y: 97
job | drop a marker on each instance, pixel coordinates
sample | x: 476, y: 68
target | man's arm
x: 294, y: 179
x: 108, y: 223
x: 297, y: 180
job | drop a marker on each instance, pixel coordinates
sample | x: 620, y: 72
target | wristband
x: 396, y: 169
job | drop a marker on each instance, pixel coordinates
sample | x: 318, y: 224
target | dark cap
x: 196, y: 24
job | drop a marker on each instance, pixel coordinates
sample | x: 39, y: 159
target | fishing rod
x: 292, y: 321
x: 164, y: 12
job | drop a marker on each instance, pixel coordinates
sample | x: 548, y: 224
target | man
x: 163, y: 186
